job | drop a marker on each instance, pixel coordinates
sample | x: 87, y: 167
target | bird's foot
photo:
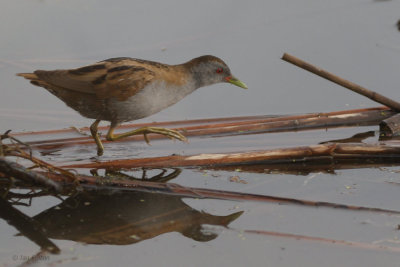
x: 172, y: 134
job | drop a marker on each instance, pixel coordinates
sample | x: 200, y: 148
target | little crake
x: 125, y: 89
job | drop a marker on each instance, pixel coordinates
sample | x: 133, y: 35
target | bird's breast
x: 149, y: 100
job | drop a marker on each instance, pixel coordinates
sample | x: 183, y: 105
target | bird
x: 124, y: 89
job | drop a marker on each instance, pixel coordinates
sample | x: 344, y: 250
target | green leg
x: 145, y: 130
x: 93, y: 130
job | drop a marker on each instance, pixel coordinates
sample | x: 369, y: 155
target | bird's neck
x: 197, y: 74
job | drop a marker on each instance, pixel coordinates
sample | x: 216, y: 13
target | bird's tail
x: 35, y: 80
x: 29, y: 76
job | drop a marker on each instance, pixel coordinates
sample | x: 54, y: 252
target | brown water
x: 356, y: 39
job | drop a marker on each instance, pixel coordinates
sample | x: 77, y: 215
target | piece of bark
x: 391, y: 125
x: 18, y: 171
x: 245, y: 125
x: 306, y: 154
x: 345, y: 83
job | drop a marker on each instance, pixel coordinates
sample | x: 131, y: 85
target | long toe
x: 173, y: 134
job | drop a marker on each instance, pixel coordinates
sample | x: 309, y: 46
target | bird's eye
x: 219, y: 70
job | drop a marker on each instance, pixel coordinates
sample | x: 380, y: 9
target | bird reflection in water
x: 126, y: 217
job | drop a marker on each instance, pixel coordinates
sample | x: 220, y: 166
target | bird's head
x: 207, y: 70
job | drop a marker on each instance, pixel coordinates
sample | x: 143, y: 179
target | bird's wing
x: 118, y: 78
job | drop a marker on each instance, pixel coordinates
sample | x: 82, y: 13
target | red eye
x: 219, y: 70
